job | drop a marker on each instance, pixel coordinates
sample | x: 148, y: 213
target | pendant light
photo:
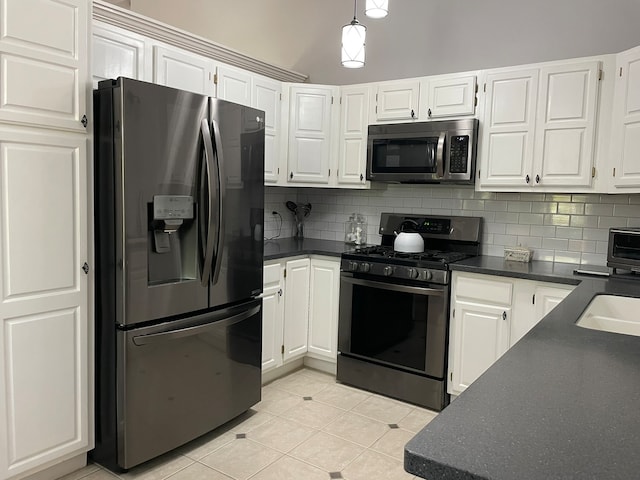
x: 353, y: 41
x: 377, y: 8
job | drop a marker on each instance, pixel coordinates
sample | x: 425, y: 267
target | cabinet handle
x: 429, y: 113
x: 85, y: 268
x: 537, y: 178
x: 291, y: 175
x: 527, y: 179
x: 84, y: 121
x: 280, y: 292
x: 361, y: 177
x: 504, y: 315
x: 413, y: 114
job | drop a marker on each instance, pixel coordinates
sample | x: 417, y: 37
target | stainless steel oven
x: 398, y: 326
x: 394, y: 309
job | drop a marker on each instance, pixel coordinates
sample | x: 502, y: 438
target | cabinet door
x: 310, y: 134
x: 183, y: 70
x: 44, y: 374
x: 354, y: 120
x: 44, y: 76
x: 323, y: 308
x: 566, y: 123
x: 625, y: 136
x: 534, y: 301
x: 116, y: 53
x: 448, y: 97
x: 272, y: 316
x: 397, y: 101
x: 508, y: 129
x: 267, y: 96
x: 480, y: 336
x: 296, y: 308
x: 234, y: 85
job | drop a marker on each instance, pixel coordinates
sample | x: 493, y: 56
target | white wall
x: 558, y: 227
x: 419, y: 37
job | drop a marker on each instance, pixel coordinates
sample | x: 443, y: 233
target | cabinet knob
x: 85, y: 268
x: 527, y: 179
x: 413, y: 114
x: 504, y: 315
x: 84, y: 121
x: 361, y: 177
x: 537, y: 178
x: 291, y: 175
x: 280, y: 292
x: 429, y: 113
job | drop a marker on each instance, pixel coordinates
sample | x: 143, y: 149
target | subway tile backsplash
x: 557, y: 227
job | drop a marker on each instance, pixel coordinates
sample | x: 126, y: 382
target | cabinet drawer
x: 271, y: 273
x: 484, y: 289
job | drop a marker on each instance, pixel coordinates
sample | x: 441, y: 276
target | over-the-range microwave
x: 423, y: 152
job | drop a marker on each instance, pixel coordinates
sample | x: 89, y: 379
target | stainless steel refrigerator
x: 179, y: 200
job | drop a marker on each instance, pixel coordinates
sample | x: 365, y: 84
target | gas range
x: 448, y: 240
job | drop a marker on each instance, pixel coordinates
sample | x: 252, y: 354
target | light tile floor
x: 306, y: 427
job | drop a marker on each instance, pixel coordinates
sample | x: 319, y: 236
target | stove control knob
x: 388, y: 271
x: 353, y: 266
x: 413, y: 273
x: 365, y: 267
x: 428, y: 275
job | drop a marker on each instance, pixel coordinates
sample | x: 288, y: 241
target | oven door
x: 401, y: 326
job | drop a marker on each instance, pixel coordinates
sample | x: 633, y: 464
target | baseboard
x: 322, y: 365
x: 287, y: 368
x: 58, y: 470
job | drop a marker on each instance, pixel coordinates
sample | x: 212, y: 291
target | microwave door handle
x: 440, y: 155
x: 222, y: 193
x: 208, y: 157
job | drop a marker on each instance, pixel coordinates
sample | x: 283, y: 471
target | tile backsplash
x: 570, y: 228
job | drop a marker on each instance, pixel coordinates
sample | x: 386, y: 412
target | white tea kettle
x: 408, y: 242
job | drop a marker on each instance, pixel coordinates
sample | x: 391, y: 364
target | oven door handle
x: 440, y: 155
x: 396, y: 288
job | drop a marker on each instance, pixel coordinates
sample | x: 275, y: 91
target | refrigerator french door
x: 179, y: 245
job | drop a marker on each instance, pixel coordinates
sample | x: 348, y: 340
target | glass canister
x: 355, y: 229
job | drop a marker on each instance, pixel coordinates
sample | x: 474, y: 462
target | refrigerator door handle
x: 208, y: 154
x: 216, y: 322
x: 222, y: 191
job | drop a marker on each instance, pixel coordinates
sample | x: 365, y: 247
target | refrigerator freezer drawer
x: 181, y: 382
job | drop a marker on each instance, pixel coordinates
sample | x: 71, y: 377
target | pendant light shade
x: 377, y: 8
x: 353, y: 41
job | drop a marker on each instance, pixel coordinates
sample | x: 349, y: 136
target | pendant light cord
x: 355, y: 8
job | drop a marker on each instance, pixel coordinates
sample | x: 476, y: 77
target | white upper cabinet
x: 396, y: 101
x: 354, y: 116
x: 539, y: 127
x: 117, y: 53
x: 448, y: 96
x: 311, y: 136
x: 45, y: 73
x: 183, y: 70
x: 625, y: 135
x: 508, y: 128
x: 566, y: 124
x: 234, y: 85
x: 267, y: 96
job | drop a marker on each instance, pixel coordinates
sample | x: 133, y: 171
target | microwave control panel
x: 458, y: 154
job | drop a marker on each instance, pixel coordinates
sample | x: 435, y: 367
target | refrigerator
x: 179, y: 200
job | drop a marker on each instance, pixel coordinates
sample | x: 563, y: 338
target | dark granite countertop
x: 563, y: 403
x: 536, y: 270
x: 290, y: 247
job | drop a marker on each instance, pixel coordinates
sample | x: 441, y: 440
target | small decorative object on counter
x: 355, y: 229
x: 518, y: 254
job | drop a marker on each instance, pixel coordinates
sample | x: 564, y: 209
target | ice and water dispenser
x: 172, y: 245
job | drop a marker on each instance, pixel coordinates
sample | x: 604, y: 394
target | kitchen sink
x: 612, y: 313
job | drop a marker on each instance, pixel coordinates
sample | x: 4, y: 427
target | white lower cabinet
x: 323, y: 308
x: 300, y: 310
x: 45, y: 366
x: 490, y: 314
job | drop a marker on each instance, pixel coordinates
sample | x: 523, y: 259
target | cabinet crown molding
x: 134, y: 22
